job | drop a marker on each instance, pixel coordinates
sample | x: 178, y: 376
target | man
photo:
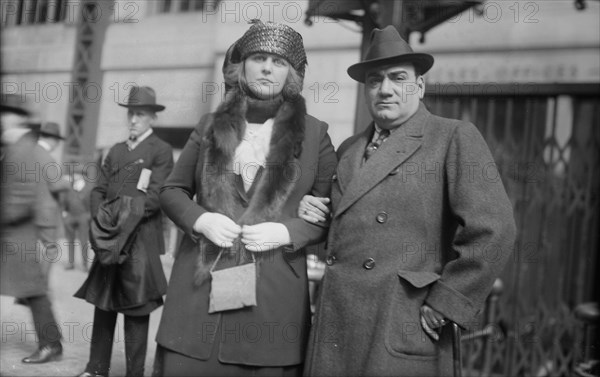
x: 49, y: 139
x: 76, y: 217
x: 421, y: 226
x: 135, y: 285
x: 27, y: 210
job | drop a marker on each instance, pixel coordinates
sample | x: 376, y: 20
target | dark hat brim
x: 46, y: 134
x: 422, y: 62
x: 155, y: 108
x: 13, y: 109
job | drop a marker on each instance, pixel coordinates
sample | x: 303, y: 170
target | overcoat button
x: 382, y: 217
x: 334, y: 178
x: 369, y: 264
x: 330, y: 260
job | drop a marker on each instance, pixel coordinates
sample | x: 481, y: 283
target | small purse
x: 232, y: 288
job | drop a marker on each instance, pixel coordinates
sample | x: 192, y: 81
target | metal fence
x: 546, y: 143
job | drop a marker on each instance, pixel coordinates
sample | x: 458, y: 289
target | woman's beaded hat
x: 273, y: 38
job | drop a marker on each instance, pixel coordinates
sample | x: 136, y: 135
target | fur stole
x: 272, y: 188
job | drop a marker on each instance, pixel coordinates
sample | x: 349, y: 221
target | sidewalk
x: 75, y: 317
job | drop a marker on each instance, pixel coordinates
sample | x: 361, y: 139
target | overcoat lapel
x: 399, y: 146
x: 145, y: 146
x: 129, y: 160
x: 351, y: 160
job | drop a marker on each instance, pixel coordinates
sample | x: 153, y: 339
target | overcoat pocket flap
x: 419, y: 279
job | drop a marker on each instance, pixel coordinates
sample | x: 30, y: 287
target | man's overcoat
x: 425, y: 220
x: 140, y: 279
x: 28, y: 175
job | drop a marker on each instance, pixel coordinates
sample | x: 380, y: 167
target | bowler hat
x: 142, y: 97
x: 14, y: 103
x: 50, y: 129
x: 387, y: 47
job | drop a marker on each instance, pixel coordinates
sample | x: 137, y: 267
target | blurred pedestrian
x: 76, y: 218
x: 28, y: 210
x: 127, y: 191
x: 421, y: 227
x: 238, y: 302
x: 49, y: 140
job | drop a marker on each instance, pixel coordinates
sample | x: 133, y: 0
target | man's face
x: 393, y: 93
x: 140, y: 121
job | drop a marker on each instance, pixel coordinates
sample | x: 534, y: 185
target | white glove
x: 218, y: 228
x: 265, y: 236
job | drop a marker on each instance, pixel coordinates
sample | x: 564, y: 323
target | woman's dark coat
x: 274, y: 332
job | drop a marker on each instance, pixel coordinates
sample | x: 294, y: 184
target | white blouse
x: 252, y: 152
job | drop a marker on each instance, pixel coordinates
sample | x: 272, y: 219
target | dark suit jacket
x: 425, y: 220
x: 140, y: 279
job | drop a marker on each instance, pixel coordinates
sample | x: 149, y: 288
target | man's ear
x: 421, y: 85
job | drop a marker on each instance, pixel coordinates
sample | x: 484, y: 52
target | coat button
x: 369, y: 264
x: 382, y: 217
x: 330, y: 260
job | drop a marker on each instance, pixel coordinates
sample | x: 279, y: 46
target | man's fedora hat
x: 14, y: 103
x: 50, y: 129
x: 387, y: 47
x: 142, y: 97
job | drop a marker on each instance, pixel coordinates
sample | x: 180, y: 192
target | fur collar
x: 225, y: 133
x: 272, y: 189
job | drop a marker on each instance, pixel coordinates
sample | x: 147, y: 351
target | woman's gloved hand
x: 218, y: 228
x: 265, y: 236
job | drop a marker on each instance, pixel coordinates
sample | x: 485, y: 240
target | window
x: 180, y: 6
x: 30, y: 12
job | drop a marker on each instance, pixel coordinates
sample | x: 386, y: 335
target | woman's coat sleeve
x: 177, y: 194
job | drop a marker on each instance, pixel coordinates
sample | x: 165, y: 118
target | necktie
x: 374, y: 145
x: 130, y: 142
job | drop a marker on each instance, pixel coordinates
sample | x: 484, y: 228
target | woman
x: 248, y: 165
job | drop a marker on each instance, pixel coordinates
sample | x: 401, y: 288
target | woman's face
x: 266, y: 74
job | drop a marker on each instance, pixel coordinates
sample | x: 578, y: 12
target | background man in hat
x: 135, y: 168
x: 27, y: 211
x: 421, y: 226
